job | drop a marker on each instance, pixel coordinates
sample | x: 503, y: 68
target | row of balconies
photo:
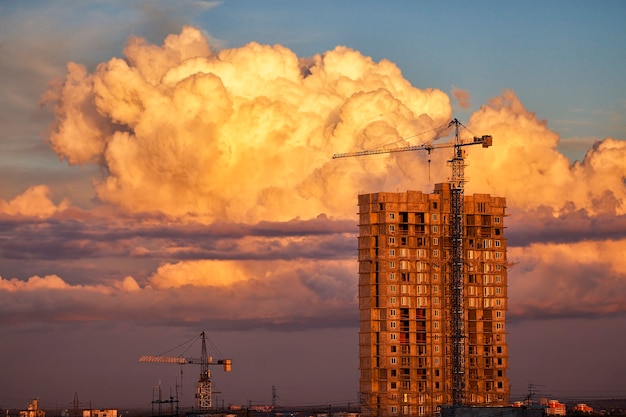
x: 420, y: 218
x: 404, y: 373
x: 423, y: 229
x: 406, y: 262
x: 421, y: 359
x: 495, y: 360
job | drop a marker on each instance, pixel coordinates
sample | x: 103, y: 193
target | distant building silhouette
x: 404, y: 301
x: 109, y: 412
x: 554, y: 408
x: 33, y: 410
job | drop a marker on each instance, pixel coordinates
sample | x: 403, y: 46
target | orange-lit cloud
x: 33, y: 284
x: 586, y: 278
x: 244, y: 135
x: 199, y: 274
x: 274, y: 293
x: 35, y: 201
x: 525, y: 166
x: 221, y: 198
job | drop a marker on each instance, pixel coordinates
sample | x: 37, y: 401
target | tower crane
x: 205, y: 390
x: 455, y: 263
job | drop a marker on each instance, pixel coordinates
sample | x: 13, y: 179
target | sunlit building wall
x: 33, y: 410
x: 100, y: 413
x: 404, y: 343
x: 555, y: 408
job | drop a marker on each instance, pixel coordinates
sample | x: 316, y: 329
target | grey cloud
x: 541, y: 225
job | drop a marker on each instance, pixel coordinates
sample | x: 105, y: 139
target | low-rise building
x: 33, y: 410
x: 100, y: 413
x: 555, y: 408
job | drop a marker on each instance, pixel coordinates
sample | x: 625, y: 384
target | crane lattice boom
x: 485, y: 140
x: 178, y: 360
x: 163, y: 359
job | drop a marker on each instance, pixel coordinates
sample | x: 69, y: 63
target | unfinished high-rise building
x: 406, y: 298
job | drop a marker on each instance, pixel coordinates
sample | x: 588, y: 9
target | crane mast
x: 204, y: 392
x: 457, y: 324
x: 456, y: 262
x: 205, y: 387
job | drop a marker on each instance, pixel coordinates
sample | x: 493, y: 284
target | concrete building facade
x: 404, y: 298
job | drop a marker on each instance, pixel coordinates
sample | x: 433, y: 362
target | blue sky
x: 85, y: 264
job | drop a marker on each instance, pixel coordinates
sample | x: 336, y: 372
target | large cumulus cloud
x: 243, y: 134
x: 526, y: 167
x: 219, y: 197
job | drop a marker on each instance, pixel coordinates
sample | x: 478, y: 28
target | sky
x: 166, y: 168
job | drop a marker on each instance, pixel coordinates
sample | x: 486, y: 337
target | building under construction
x: 412, y: 359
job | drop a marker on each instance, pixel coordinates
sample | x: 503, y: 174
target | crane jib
x: 485, y: 140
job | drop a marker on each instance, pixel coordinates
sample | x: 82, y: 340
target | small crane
x: 457, y: 184
x: 205, y: 390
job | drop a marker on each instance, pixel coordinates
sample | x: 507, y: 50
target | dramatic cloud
x: 241, y: 135
x: 541, y: 225
x: 527, y: 168
x: 225, y: 294
x: 584, y: 279
x: 219, y: 198
x: 33, y: 202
